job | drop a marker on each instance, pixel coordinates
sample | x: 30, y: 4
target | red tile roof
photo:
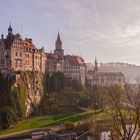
x: 53, y: 56
x: 26, y: 43
x: 74, y: 60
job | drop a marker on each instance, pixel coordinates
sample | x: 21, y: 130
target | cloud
x: 109, y: 29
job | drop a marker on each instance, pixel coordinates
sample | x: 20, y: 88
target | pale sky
x: 106, y: 29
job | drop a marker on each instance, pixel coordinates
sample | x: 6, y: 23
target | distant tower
x: 58, y: 43
x: 10, y: 30
x: 2, y: 36
x: 96, y: 66
x: 58, y: 46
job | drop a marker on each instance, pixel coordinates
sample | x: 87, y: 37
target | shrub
x: 69, y: 125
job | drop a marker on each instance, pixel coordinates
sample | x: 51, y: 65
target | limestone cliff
x: 33, y: 88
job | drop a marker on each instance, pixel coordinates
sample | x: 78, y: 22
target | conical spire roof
x: 10, y: 28
x: 96, y: 65
x: 58, y: 38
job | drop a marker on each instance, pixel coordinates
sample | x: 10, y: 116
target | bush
x: 69, y: 125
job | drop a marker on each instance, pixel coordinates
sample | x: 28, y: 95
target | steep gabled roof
x: 74, y: 60
x: 53, y: 56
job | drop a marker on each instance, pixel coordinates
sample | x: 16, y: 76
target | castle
x: 17, y: 54
x: 97, y: 77
x: 72, y: 66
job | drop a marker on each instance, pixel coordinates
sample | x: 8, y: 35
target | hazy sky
x: 106, y: 29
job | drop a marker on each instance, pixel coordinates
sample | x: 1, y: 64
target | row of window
x: 18, y: 65
x: 17, y: 46
x: 21, y: 66
x: 16, y: 42
x: 108, y: 78
x: 106, y: 84
x: 31, y: 50
x: 27, y: 55
x: 70, y: 67
x: 28, y: 49
x: 27, y: 62
x: 119, y: 80
x: 37, y: 57
x: 37, y: 63
x: 71, y: 71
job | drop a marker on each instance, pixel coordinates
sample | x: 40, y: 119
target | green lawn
x: 100, y: 116
x: 42, y: 121
x: 38, y: 122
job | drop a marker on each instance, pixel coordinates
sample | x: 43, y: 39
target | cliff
x: 24, y: 93
x: 32, y: 88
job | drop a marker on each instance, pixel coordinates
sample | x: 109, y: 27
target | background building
x: 73, y: 66
x: 55, y: 61
x: 94, y: 77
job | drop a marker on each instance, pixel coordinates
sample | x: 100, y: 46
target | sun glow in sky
x: 106, y: 29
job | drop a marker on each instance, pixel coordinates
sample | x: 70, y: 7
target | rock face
x: 32, y: 83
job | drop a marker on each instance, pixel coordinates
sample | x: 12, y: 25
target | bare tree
x: 124, y: 113
x: 123, y: 110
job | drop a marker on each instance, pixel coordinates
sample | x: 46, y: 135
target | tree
x: 125, y: 114
x: 12, y: 102
x: 54, y: 82
x: 7, y: 117
x: 76, y: 85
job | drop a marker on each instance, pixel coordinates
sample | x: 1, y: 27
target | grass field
x: 42, y: 121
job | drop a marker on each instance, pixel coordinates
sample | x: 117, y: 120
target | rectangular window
x: 16, y: 54
x: 20, y: 61
x: 16, y: 61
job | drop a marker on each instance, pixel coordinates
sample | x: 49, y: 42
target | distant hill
x: 131, y: 72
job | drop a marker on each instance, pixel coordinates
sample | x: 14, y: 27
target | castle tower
x: 10, y: 32
x: 96, y: 66
x: 58, y: 46
x: 58, y: 43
